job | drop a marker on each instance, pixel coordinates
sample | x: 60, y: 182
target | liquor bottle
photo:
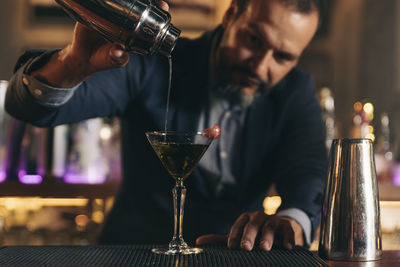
x: 383, y: 152
x: 327, y: 104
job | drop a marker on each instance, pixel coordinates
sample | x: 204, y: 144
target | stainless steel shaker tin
x: 350, y: 224
x: 140, y: 25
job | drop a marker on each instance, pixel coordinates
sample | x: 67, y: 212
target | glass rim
x: 352, y: 140
x: 163, y: 133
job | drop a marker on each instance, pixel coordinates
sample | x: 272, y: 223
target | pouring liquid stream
x: 169, y: 93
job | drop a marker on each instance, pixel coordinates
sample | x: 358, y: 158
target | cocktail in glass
x: 179, y: 152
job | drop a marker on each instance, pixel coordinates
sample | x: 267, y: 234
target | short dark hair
x: 302, y: 6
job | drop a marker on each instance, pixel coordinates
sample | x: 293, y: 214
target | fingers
x: 285, y: 229
x: 93, y: 53
x: 271, y: 230
x: 282, y: 231
x: 252, y: 229
x: 211, y: 239
x: 268, y: 234
x: 119, y: 56
x: 298, y: 235
x: 277, y: 231
x: 162, y: 4
x: 108, y: 56
x: 235, y: 234
x: 85, y: 39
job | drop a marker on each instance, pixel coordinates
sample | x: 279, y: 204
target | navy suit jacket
x: 284, y: 142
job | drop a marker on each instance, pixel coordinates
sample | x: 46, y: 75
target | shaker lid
x: 169, y: 40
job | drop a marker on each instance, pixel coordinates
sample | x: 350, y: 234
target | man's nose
x: 262, y: 62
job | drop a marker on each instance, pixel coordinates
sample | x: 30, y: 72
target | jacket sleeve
x: 302, y: 157
x: 104, y: 94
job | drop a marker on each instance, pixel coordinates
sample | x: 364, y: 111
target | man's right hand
x: 93, y: 53
x: 87, y: 54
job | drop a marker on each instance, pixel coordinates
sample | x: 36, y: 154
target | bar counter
x: 58, y: 190
x: 390, y: 258
x: 141, y: 255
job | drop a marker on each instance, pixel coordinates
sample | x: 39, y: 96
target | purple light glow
x: 31, y: 179
x: 3, y: 176
x: 396, y: 176
x: 74, y: 178
x: 59, y: 172
x: 21, y: 173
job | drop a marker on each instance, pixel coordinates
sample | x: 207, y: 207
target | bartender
x: 241, y: 75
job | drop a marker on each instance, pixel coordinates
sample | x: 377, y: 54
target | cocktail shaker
x: 140, y: 25
x: 350, y: 224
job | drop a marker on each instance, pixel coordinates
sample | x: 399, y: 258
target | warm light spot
x: 64, y: 202
x: 271, y: 204
x: 385, y: 120
x: 389, y: 203
x: 11, y: 203
x: 34, y: 203
x: 105, y: 133
x: 3, y: 212
x: 370, y: 136
x: 357, y: 120
x: 330, y: 104
x: 98, y: 216
x: 357, y: 106
x: 388, y: 155
x: 99, y: 201
x: 368, y: 108
x: 109, y: 203
x: 325, y: 92
x: 81, y: 220
x: 370, y: 129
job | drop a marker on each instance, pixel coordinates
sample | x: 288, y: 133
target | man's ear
x: 230, y: 14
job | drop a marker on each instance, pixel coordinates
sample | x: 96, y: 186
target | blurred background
x: 58, y: 184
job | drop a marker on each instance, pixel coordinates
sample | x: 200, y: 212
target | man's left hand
x: 252, y: 226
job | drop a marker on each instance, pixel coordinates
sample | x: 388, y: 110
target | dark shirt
x: 282, y: 142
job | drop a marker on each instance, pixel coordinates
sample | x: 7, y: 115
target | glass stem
x: 179, y: 194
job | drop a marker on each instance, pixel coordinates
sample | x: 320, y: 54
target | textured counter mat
x: 142, y: 256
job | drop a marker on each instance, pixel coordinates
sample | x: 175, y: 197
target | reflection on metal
x: 350, y: 225
x: 141, y: 26
x: 4, y: 121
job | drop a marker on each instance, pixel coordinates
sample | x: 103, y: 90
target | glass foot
x: 169, y: 251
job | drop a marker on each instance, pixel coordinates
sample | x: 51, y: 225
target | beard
x: 232, y: 89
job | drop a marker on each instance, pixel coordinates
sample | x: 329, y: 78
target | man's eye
x: 283, y: 56
x: 252, y: 39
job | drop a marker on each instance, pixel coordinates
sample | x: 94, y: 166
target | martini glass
x: 179, y: 152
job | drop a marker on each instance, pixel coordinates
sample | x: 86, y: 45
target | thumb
x: 211, y: 239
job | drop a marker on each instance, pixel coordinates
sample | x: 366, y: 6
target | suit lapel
x: 256, y: 134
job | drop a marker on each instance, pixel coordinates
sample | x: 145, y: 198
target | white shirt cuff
x: 46, y: 94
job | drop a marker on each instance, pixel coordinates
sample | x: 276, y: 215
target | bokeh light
x: 357, y: 106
